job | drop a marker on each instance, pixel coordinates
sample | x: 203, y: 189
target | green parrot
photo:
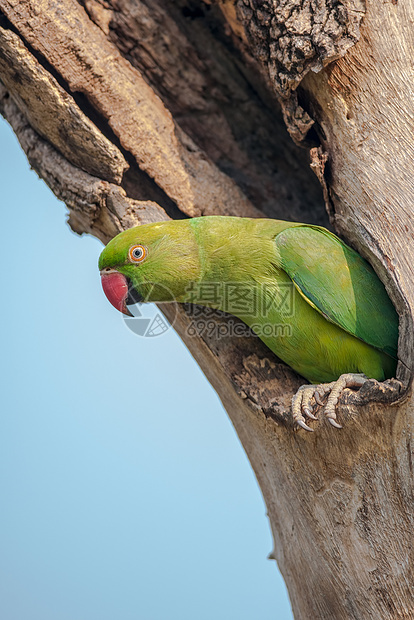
x: 313, y: 300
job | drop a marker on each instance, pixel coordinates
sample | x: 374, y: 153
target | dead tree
x: 137, y: 110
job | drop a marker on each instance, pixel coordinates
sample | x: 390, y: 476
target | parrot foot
x: 301, y: 402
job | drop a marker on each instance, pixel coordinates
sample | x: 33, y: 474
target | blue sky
x: 125, y: 491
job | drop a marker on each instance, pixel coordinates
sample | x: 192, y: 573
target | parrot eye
x: 137, y: 253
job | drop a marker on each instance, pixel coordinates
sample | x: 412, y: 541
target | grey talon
x: 302, y: 424
x: 318, y: 398
x: 308, y: 413
x: 334, y: 423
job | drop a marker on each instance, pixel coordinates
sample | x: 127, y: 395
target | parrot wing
x: 340, y: 284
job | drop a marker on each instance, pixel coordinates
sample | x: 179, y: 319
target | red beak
x: 115, y: 287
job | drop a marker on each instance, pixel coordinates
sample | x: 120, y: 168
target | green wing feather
x: 340, y: 284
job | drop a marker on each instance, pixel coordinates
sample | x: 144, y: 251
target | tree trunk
x: 137, y: 110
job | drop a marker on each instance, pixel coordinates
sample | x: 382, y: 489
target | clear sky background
x: 125, y: 493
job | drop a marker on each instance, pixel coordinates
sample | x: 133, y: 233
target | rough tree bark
x: 137, y: 110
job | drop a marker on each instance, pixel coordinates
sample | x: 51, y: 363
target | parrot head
x: 152, y: 262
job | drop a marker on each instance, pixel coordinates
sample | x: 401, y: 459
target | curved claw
x: 334, y: 423
x: 317, y: 397
x: 309, y: 414
x: 303, y: 424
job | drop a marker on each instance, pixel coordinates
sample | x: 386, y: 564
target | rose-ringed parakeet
x: 343, y: 327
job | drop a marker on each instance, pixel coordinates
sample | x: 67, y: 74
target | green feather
x: 340, y: 284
